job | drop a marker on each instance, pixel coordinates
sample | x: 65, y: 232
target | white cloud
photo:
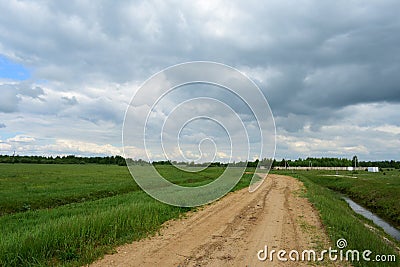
x: 5, y: 147
x: 21, y: 139
x: 74, y: 146
x: 391, y: 129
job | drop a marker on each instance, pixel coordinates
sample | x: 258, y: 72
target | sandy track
x: 232, y: 230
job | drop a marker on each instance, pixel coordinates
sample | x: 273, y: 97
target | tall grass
x: 78, y: 233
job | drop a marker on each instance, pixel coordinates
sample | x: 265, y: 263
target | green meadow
x: 69, y: 215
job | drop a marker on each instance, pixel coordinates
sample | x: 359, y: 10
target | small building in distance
x: 373, y: 169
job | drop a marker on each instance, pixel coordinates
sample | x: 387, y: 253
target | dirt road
x: 231, y: 231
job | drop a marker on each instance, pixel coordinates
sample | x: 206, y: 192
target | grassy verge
x: 341, y: 222
x: 77, y: 233
x: 379, y: 192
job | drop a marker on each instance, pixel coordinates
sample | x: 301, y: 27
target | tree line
x: 119, y: 160
x: 70, y: 159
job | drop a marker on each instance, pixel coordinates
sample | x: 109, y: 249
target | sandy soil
x: 231, y: 231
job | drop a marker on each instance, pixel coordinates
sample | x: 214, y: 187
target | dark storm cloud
x: 348, y: 50
x: 123, y: 39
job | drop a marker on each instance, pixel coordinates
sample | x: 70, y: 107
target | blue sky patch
x: 11, y: 70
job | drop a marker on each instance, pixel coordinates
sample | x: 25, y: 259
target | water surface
x: 389, y: 229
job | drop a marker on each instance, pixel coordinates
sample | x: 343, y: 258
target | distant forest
x: 71, y: 159
x: 119, y: 160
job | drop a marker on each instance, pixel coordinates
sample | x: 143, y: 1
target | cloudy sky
x: 330, y: 70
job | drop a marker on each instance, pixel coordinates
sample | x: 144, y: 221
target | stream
x: 389, y: 229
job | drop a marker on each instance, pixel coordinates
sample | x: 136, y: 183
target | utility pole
x: 355, y: 160
x: 286, y: 164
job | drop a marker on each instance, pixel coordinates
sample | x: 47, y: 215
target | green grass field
x: 340, y: 221
x: 26, y: 187
x: 72, y: 214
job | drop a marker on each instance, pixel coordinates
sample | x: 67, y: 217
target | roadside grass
x: 379, y: 192
x: 80, y: 232
x: 77, y: 234
x: 341, y: 222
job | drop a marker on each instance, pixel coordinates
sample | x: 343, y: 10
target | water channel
x: 389, y: 229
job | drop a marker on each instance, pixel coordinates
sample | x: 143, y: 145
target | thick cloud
x: 320, y: 64
x: 9, y: 99
x: 11, y: 94
x: 33, y: 92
